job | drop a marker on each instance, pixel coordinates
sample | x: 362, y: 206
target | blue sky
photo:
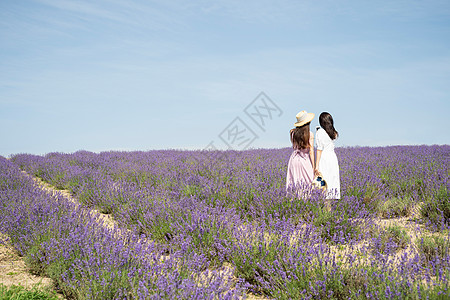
x: 140, y: 75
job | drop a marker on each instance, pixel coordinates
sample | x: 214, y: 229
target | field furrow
x: 222, y: 220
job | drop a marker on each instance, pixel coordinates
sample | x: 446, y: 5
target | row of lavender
x: 87, y: 260
x: 232, y: 207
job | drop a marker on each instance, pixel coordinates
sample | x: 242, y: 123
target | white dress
x: 328, y: 164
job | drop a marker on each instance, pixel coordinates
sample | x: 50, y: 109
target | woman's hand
x: 316, y: 172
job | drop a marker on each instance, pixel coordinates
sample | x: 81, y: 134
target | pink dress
x: 300, y: 168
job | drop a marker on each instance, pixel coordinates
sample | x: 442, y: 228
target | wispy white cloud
x: 128, y: 13
x: 84, y: 8
x: 265, y: 11
x: 141, y: 62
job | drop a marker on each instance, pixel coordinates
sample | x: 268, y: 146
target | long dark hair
x: 326, y: 122
x: 300, y: 137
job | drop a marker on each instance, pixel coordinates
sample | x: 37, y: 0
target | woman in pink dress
x: 300, y: 170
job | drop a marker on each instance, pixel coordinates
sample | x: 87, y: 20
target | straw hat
x: 303, y: 117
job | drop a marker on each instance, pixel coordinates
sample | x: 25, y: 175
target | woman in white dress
x: 327, y: 162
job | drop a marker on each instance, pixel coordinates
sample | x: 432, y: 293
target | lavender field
x: 219, y: 225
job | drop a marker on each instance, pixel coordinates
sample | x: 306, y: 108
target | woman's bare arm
x: 319, y: 155
x: 311, y: 150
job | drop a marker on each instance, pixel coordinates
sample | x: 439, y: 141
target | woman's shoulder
x: 321, y: 134
x: 320, y: 131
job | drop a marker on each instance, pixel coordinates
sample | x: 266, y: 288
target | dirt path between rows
x: 106, y: 220
x: 15, y: 270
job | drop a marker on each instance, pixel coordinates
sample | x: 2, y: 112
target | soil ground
x: 13, y: 270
